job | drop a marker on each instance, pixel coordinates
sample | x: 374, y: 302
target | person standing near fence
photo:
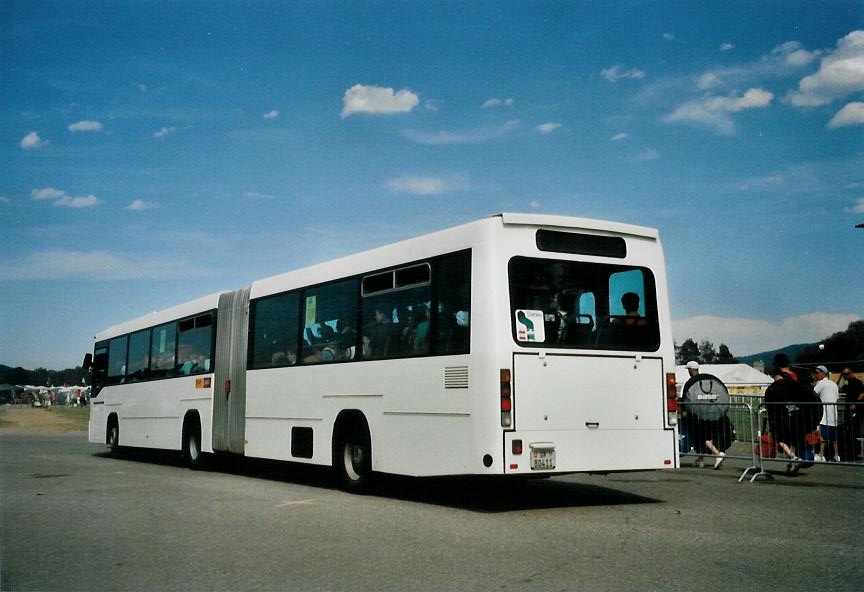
x: 828, y: 393
x: 781, y: 364
x: 854, y: 392
x: 709, y: 429
x: 792, y: 413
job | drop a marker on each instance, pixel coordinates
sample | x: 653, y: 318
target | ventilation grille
x: 456, y: 377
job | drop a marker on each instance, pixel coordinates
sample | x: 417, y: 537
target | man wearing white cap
x: 692, y: 367
x: 828, y: 392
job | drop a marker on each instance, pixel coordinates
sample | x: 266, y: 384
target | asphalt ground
x: 73, y: 518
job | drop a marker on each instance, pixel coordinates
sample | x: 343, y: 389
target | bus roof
x: 158, y: 317
x: 512, y: 218
x: 459, y: 237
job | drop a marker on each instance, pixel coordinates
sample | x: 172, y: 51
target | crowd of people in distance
x: 808, y: 419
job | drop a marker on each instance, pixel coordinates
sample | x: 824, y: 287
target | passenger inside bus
x: 380, y: 333
x: 631, y: 327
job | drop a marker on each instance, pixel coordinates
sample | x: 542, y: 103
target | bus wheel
x: 113, y: 437
x: 192, y: 445
x: 353, y: 460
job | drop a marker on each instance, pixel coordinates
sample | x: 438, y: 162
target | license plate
x: 542, y: 459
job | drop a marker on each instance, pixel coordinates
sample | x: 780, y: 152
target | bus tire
x: 192, y: 443
x: 112, y: 436
x: 352, y: 457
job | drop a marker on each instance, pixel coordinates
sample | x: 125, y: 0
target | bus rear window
x: 570, y: 304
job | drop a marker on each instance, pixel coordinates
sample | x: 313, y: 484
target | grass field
x: 18, y: 418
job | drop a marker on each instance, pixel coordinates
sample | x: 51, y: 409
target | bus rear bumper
x: 575, y: 451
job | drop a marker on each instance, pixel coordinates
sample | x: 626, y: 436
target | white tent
x: 740, y: 379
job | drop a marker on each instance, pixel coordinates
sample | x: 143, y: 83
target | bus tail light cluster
x: 506, y: 399
x: 671, y: 399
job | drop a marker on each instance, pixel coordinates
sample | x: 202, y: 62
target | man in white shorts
x: 828, y: 392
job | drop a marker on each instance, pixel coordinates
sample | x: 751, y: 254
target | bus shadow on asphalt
x: 477, y: 494
x: 497, y: 494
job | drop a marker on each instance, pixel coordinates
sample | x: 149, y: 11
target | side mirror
x: 88, y: 361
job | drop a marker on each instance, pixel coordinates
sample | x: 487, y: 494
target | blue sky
x: 154, y: 152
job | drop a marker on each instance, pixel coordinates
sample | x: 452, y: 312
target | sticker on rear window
x: 529, y: 326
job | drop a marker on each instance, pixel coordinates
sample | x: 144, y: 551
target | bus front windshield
x: 577, y: 305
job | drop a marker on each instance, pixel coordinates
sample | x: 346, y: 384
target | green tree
x: 842, y: 348
x: 724, y: 356
x: 686, y: 352
x: 707, y: 354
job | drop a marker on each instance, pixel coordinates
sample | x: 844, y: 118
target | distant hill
x: 767, y: 357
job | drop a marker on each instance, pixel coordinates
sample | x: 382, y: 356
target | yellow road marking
x: 286, y: 503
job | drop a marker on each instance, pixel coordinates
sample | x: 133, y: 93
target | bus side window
x: 117, y: 359
x: 273, y: 331
x: 100, y: 364
x: 163, y: 343
x: 194, y: 344
x: 139, y: 356
x: 453, y: 313
x: 330, y: 315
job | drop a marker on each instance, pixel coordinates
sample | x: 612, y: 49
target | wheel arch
x: 112, y: 420
x: 347, y: 420
x: 192, y: 419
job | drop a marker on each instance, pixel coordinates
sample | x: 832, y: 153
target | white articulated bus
x: 514, y: 345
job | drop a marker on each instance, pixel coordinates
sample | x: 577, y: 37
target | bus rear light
x: 506, y: 393
x: 517, y: 447
x: 671, y: 399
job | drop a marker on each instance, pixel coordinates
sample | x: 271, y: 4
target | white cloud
x: 67, y: 201
x: 707, y: 81
x: 471, y: 136
x: 377, y: 100
x: 141, y: 87
x: 418, y: 185
x: 617, y: 72
x: 56, y: 265
x: 840, y: 73
x: 46, y: 193
x: 271, y: 114
x: 534, y: 205
x: 850, y: 114
x: 620, y: 136
x: 547, y: 128
x: 32, y: 141
x: 793, y: 54
x: 857, y: 207
x: 496, y: 102
x: 727, y: 47
x: 752, y: 99
x: 61, y: 199
x: 647, y: 155
x: 712, y: 111
x: 86, y: 126
x: 695, y: 112
x: 139, y: 205
x: 668, y: 36
x: 750, y: 336
x: 762, y: 183
x: 163, y: 133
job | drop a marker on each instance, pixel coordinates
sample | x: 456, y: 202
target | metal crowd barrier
x: 779, y: 433
x: 693, y: 434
